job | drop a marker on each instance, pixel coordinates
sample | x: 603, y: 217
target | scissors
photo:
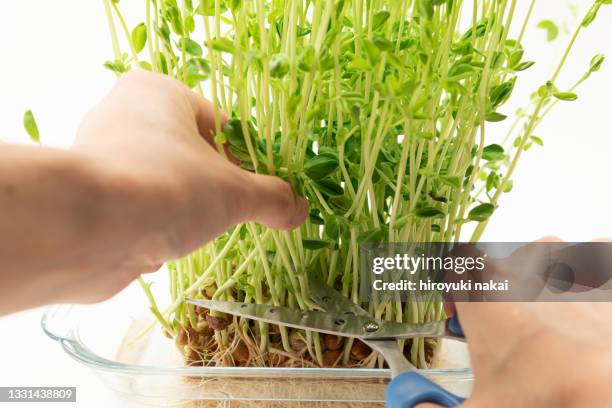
x: 342, y: 317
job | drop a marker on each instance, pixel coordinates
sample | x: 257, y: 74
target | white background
x: 51, y: 54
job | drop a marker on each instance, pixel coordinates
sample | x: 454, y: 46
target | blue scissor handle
x: 410, y: 388
x: 454, y: 326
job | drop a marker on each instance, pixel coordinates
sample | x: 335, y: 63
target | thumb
x: 272, y: 202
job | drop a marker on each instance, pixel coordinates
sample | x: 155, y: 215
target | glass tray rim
x: 66, y: 333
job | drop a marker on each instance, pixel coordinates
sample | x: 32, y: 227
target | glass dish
x: 149, y: 370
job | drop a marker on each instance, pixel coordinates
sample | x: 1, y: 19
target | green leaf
x: 207, y: 8
x: 379, y: 19
x: 507, y: 187
x: 481, y: 213
x: 495, y: 117
x: 501, y: 93
x: 279, y: 66
x: 173, y: 15
x: 118, y: 67
x: 235, y: 5
x: 145, y: 65
x: 235, y: 136
x: 331, y: 229
x: 373, y: 235
x: 315, y: 219
x: 223, y: 45
x: 382, y: 43
x: 537, y: 140
x: 189, y: 24
x: 139, y: 37
x: 565, y: 96
x: 306, y: 59
x: 372, y: 51
x: 552, y: 30
x: 315, y: 244
x: 429, y: 212
x: 493, y: 152
x: 515, y: 57
x: 358, y: 63
x: 198, y: 70
x: 597, y: 62
x: 426, y: 8
x: 191, y: 47
x: 478, y: 31
x: 460, y: 71
x: 452, y: 181
x: 524, y: 66
x: 321, y: 166
x: 329, y: 188
x: 29, y: 123
x: 492, y: 181
x: 591, y: 15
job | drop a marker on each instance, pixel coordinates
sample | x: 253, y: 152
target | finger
x: 272, y: 202
x: 205, y: 119
x: 204, y: 112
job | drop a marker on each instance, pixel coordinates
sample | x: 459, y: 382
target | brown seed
x: 333, y: 342
x: 217, y: 323
x: 207, y: 332
x: 296, y: 342
x: 184, y: 336
x: 330, y: 357
x: 359, y: 351
x: 241, y: 353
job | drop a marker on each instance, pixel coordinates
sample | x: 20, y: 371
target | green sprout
x: 379, y: 112
x: 29, y: 124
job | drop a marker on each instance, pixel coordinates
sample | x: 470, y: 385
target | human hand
x: 168, y: 189
x: 538, y: 354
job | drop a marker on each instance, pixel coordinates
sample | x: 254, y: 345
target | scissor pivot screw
x: 371, y: 327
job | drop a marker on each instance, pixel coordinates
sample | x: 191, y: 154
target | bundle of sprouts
x: 377, y: 111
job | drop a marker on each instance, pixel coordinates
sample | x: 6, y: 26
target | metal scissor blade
x: 332, y: 300
x: 331, y: 323
x: 284, y: 316
x: 335, y: 302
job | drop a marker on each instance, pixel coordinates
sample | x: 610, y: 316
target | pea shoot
x: 377, y: 111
